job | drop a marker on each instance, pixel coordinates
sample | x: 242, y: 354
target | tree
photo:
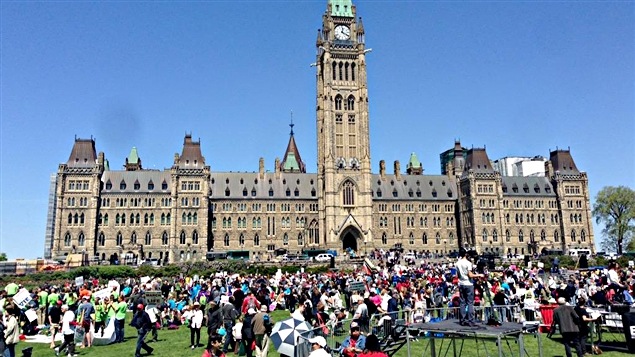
x: 615, y: 208
x: 3, y: 257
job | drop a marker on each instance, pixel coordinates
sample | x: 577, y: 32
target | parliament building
x: 181, y: 213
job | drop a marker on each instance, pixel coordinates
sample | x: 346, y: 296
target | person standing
x: 247, y: 332
x: 86, y: 312
x: 120, y: 318
x: 153, y: 312
x: 566, y: 317
x: 583, y: 325
x: 466, y: 289
x: 55, y: 317
x: 68, y: 321
x: 42, y: 296
x: 372, y: 348
x: 12, y: 331
x: 196, y: 322
x: 230, y: 314
x: 2, y: 339
x: 261, y: 325
x: 141, y: 321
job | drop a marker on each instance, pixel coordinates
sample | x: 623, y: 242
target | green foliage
x: 3, y: 257
x: 615, y: 208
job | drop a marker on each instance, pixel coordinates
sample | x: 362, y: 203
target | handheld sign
x: 103, y: 293
x: 153, y: 297
x: 22, y: 298
x: 357, y: 286
x: 79, y: 281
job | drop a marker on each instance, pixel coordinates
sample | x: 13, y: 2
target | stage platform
x: 451, y: 330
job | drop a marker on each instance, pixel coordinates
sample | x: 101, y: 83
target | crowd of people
x: 235, y: 309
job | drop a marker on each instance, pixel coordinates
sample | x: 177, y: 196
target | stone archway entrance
x: 349, y: 239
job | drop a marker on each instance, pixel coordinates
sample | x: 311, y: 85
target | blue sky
x: 520, y: 78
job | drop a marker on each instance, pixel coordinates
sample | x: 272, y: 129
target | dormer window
x: 122, y: 185
x: 164, y: 185
x: 108, y: 185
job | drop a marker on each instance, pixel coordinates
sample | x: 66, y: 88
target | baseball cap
x: 354, y: 325
x: 140, y: 306
x: 319, y: 340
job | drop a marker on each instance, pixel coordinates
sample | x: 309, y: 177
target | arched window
x: 241, y: 240
x: 532, y: 236
x: 81, y: 240
x: 573, y: 235
x: 285, y: 239
x: 119, y: 239
x: 484, y: 235
x: 384, y: 239
x: 437, y: 238
x: 451, y: 236
x: 508, y: 237
x: 350, y: 103
x: 164, y: 238
x: 521, y: 237
x: 70, y: 218
x: 556, y: 236
x: 67, y: 239
x: 583, y: 236
x: 353, y: 71
x: 195, y: 237
x: 256, y: 240
x: 226, y: 240
x: 182, y: 237
x: 543, y: 235
x: 341, y: 68
x: 148, y: 238
x: 495, y: 235
x: 334, y: 70
x: 300, y: 240
x: 346, y: 65
x: 146, y: 219
x: 101, y: 240
x: 338, y: 102
x: 348, y: 193
x: 411, y: 238
x: 133, y: 238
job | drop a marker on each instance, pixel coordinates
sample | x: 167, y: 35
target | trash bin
x: 628, y: 321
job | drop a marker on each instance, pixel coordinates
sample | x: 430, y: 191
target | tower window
x: 352, y: 71
x: 348, y: 194
x: 350, y: 103
x: 346, y: 71
x: 338, y: 102
x: 334, y: 70
x: 341, y: 67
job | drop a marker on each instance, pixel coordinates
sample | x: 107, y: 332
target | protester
x: 229, y: 312
x: 372, y: 348
x: 86, y: 312
x: 11, y: 331
x: 68, y: 323
x: 120, y: 309
x: 354, y: 343
x: 247, y: 332
x: 214, y: 347
x: 466, y: 289
x: 196, y: 322
x: 141, y: 321
x: 565, y: 317
x: 55, y: 317
x: 262, y: 326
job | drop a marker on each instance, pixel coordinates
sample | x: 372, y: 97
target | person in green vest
x: 52, y: 298
x: 120, y: 319
x: 70, y: 299
x: 11, y: 289
x: 42, y: 305
x: 100, y: 316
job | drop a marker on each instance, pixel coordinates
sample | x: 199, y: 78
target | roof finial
x: 291, y: 125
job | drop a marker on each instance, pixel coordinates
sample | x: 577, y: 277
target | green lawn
x: 177, y: 343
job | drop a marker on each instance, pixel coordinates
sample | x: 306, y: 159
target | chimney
x: 261, y: 168
x: 397, y: 170
x: 382, y: 169
x: 277, y: 168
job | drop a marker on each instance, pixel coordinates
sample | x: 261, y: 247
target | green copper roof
x: 414, y: 162
x: 106, y: 165
x: 343, y: 8
x: 133, y: 157
x: 291, y: 163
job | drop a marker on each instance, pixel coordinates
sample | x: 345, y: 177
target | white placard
x: 631, y: 263
x: 224, y: 299
x: 103, y: 293
x: 541, y: 265
x: 22, y: 298
x: 196, y: 277
x: 31, y: 315
x: 113, y: 284
x: 145, y: 279
x: 79, y: 281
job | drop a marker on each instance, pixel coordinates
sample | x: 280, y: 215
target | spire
x: 414, y: 166
x: 133, y: 162
x: 292, y: 161
x: 342, y: 8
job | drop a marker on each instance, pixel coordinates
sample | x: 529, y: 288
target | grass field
x: 177, y: 343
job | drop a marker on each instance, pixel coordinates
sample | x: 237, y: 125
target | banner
x: 103, y: 293
x: 357, y: 286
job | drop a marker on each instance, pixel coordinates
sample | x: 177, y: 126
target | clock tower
x: 344, y: 176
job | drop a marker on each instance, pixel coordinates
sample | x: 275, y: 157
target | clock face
x: 342, y: 32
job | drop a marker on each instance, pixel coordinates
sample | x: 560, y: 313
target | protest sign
x: 357, y: 286
x: 145, y: 279
x: 113, y: 284
x: 153, y: 297
x: 22, y: 298
x: 79, y: 281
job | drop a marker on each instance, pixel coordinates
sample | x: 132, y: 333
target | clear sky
x: 520, y: 78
